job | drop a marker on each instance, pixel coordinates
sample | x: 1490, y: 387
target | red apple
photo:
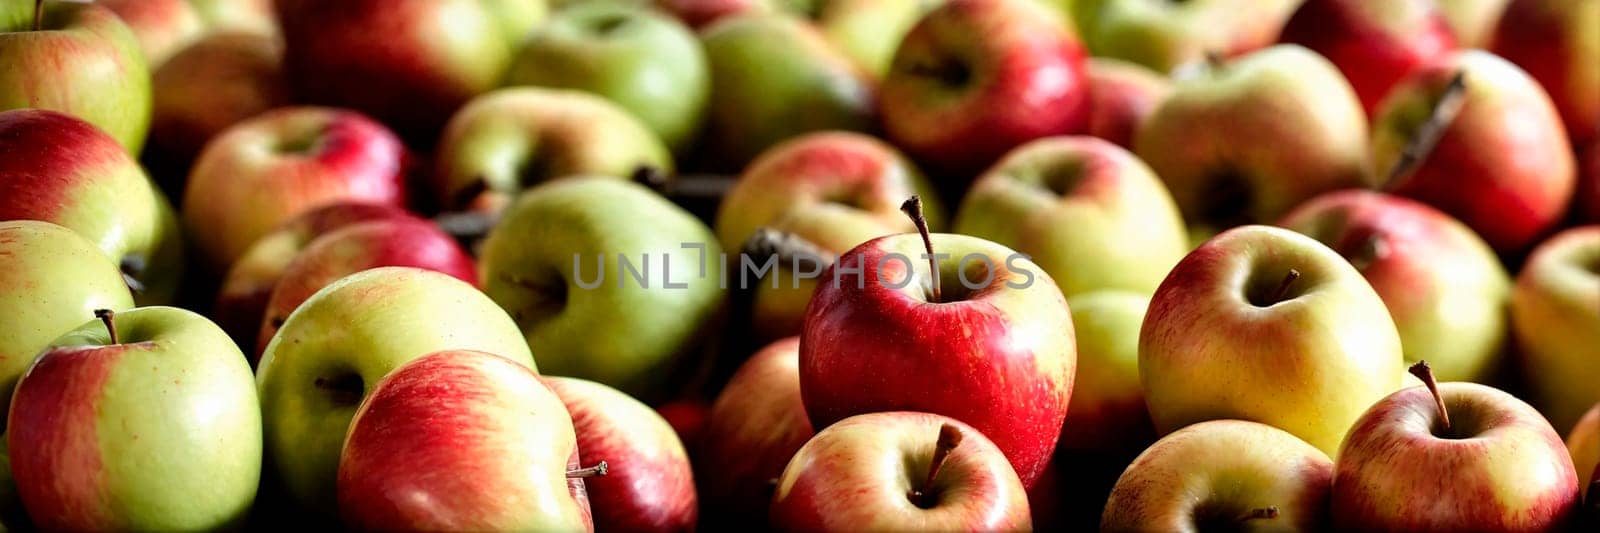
x: 162, y: 26
x: 687, y: 417
x: 701, y: 13
x: 1375, y: 43
x: 217, y: 82
x: 1558, y: 43
x: 1121, y: 94
x: 755, y: 426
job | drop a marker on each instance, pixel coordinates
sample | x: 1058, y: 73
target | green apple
x: 607, y: 280
x: 145, y: 420
x: 254, y: 16
x: 644, y: 61
x: 82, y: 60
x: 1557, y: 324
x: 1164, y: 35
x: 1473, y: 21
x: 1107, y: 413
x: 1583, y: 444
x: 340, y: 342
x: 1087, y: 211
x: 868, y: 31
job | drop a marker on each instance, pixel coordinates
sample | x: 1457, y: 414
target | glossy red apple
x: 1374, y: 43
x: 755, y: 426
x: 1121, y: 95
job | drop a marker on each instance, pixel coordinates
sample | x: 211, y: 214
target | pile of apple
x: 806, y: 265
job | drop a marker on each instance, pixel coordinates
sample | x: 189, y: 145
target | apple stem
x: 1283, y: 287
x: 1264, y: 513
x: 1425, y: 373
x: 949, y: 437
x: 1427, y: 136
x: 1215, y: 60
x: 596, y: 470
x: 38, y: 15
x: 913, y: 208
x: 106, y: 316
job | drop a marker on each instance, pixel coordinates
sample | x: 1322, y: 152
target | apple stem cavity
x: 1264, y: 513
x: 1428, y: 134
x: 1425, y: 373
x: 949, y: 438
x: 1215, y: 60
x: 38, y: 15
x: 1283, y: 287
x: 596, y: 470
x: 913, y: 208
x: 107, y: 317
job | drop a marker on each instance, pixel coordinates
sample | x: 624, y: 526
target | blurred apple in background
x: 1167, y: 35
x: 82, y: 61
x: 162, y: 26
x: 1107, y: 413
x: 1442, y: 284
x: 218, y: 81
x: 1223, y: 475
x: 867, y: 30
x: 756, y: 425
x: 688, y: 418
x: 512, y: 139
x: 1558, y: 43
x: 461, y: 440
x: 701, y: 13
x: 57, y: 168
x: 261, y: 173
x: 1267, y: 325
x: 1472, y: 21
x: 253, y: 16
x: 1093, y: 215
x: 1583, y: 445
x: 1121, y: 95
x: 1556, y: 320
x: 1587, y: 203
x: 1503, y: 166
x: 1374, y: 43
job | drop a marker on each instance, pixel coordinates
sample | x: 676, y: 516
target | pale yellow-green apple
x: 253, y: 16
x: 1282, y: 126
x: 1463, y: 457
x: 50, y: 279
x: 1087, y: 211
x: 460, y: 440
x: 1121, y: 95
x: 642, y: 60
x: 1107, y: 412
x: 78, y: 59
x: 1444, y: 287
x: 607, y: 280
x: 774, y: 76
x: 162, y: 26
x: 58, y: 168
x: 220, y: 80
x: 1503, y: 165
x: 1473, y: 21
x: 755, y: 426
x: 1268, y: 325
x: 976, y: 78
x: 1558, y: 43
x: 868, y: 31
x: 407, y: 63
x: 899, y: 471
x: 261, y: 173
x: 1223, y: 475
x: 144, y: 420
x: 1556, y: 322
x: 1374, y: 43
x: 833, y: 190
x: 1583, y: 445
x: 1165, y: 35
x: 336, y: 346
x: 512, y: 139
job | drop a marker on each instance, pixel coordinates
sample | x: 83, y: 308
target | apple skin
x: 1504, y: 166
x: 1583, y: 445
x: 1557, y: 324
x: 1089, y: 212
x: 254, y: 16
x: 220, y: 80
x: 336, y: 345
x: 461, y: 440
x: 756, y: 425
x: 1443, y: 285
x: 833, y: 189
x: 514, y: 138
x: 161, y: 432
x: 1014, y: 358
x: 701, y: 13
x: 854, y: 476
x: 1375, y: 43
x: 1506, y: 471
x: 1165, y: 36
x: 1121, y: 96
x: 650, y: 486
x: 50, y: 279
x: 162, y: 26
x: 60, y: 169
x: 400, y: 242
x: 868, y: 31
x: 407, y: 63
x: 85, y: 63
x: 688, y: 417
x: 1107, y: 413
x: 1558, y: 43
x: 1587, y: 205
x: 1473, y: 21
x: 1308, y: 361
x: 1212, y: 474
x: 262, y: 172
x: 959, y: 102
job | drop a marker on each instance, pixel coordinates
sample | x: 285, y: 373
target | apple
x: 1223, y: 475
x: 1587, y: 208
x: 1087, y: 211
x: 78, y: 59
x: 254, y: 16
x: 1473, y: 21
x: 756, y: 425
x: 1267, y: 325
x: 986, y: 339
x: 401, y: 242
x: 1375, y: 43
x: 260, y: 173
x: 1165, y: 36
x: 900, y: 471
x: 1283, y: 125
x: 775, y: 76
x: 1107, y: 412
x: 1453, y: 457
x: 338, y: 344
x: 58, y: 168
x: 1444, y: 287
x: 650, y: 487
x: 1121, y: 95
x: 571, y: 261
x: 1583, y: 445
x: 510, y: 139
x: 1557, y: 324
x: 142, y: 420
x: 834, y: 190
x: 959, y: 101
x: 407, y: 63
x: 162, y: 26
x: 220, y: 80
x: 1503, y: 165
x: 461, y: 440
x: 1558, y: 43
x: 688, y: 417
x: 701, y: 13
x: 868, y: 31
